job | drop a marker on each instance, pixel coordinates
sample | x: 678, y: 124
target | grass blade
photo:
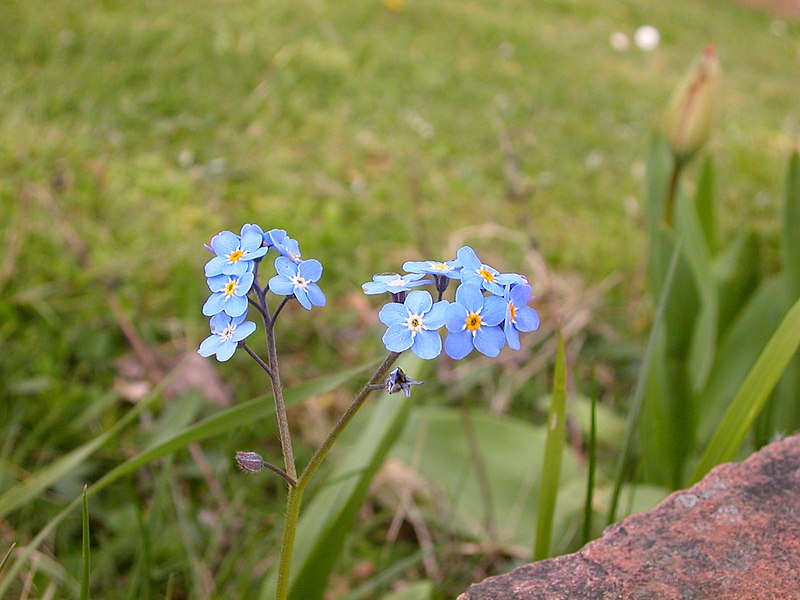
x: 641, y: 381
x: 592, y: 452
x: 85, y: 548
x: 753, y: 394
x: 704, y: 204
x: 7, y: 554
x: 220, y: 423
x: 554, y: 447
x: 791, y: 225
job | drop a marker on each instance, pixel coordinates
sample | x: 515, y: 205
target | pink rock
x: 734, y: 535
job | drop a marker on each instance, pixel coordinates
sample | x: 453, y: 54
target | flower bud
x: 693, y: 107
x: 251, y: 462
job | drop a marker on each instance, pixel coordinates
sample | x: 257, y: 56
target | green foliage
x: 733, y: 330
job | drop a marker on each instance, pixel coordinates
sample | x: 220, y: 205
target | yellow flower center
x: 512, y: 310
x: 440, y: 267
x: 487, y: 275
x: 235, y: 256
x: 414, y: 323
x: 473, y: 321
x: 230, y: 287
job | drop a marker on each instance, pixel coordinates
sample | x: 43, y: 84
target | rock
x: 734, y: 535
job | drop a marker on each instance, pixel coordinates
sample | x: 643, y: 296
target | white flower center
x: 397, y: 282
x: 228, y: 332
x: 414, y: 323
x: 300, y: 282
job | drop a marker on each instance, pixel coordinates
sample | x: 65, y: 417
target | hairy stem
x: 295, y: 497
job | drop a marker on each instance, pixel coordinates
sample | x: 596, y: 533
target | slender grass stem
x: 295, y: 496
x: 258, y: 360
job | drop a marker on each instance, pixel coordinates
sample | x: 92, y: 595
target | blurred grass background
x: 374, y: 133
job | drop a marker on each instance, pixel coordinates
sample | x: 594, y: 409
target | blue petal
x: 235, y: 306
x: 215, y: 304
x: 397, y: 338
x: 209, y: 346
x: 310, y: 269
x: 494, y: 288
x: 281, y: 286
x: 252, y: 236
x: 512, y: 336
x: 418, y: 302
x: 468, y: 259
x: 219, y: 322
x: 373, y: 287
x: 520, y: 294
x: 458, y: 345
x: 217, y: 283
x: 238, y: 268
x: 275, y: 236
x: 245, y: 283
x: 225, y: 242
x: 489, y: 340
x: 285, y: 267
x: 455, y: 317
x: 416, y: 266
x: 437, y: 315
x: 470, y: 297
x: 215, y: 266
x: 302, y: 297
x: 242, y: 331
x: 392, y: 313
x: 527, y: 319
x: 226, y: 350
x: 257, y: 253
x: 316, y: 295
x: 427, y: 344
x: 494, y: 310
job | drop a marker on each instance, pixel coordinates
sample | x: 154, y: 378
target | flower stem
x: 295, y: 497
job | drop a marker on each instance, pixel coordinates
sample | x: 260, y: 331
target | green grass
x: 372, y: 136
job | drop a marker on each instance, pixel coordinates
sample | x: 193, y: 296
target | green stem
x: 295, y: 497
x: 672, y: 190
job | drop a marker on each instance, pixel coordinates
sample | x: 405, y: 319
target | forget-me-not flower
x: 519, y: 316
x: 234, y: 253
x: 230, y: 294
x: 490, y: 279
x: 413, y: 324
x: 393, y: 283
x: 287, y: 246
x: 442, y: 272
x: 298, y: 279
x: 473, y: 322
x: 226, y: 333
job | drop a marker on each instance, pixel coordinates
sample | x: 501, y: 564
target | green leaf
x: 738, y: 352
x: 791, y: 226
x: 643, y: 379
x: 7, y: 554
x: 704, y: 204
x: 704, y: 338
x: 327, y: 520
x: 419, y: 590
x: 554, y: 447
x: 753, y: 394
x: 227, y: 420
x: 737, y: 270
x: 590, y: 470
x: 658, y: 171
x: 85, y: 547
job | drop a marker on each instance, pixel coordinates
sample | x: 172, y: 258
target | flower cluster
x: 232, y: 276
x: 489, y: 310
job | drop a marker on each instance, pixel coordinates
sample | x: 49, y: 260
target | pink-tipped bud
x: 693, y: 106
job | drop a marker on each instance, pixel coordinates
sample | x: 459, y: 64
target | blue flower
x: 226, y: 333
x: 287, y: 246
x: 229, y: 295
x: 475, y: 272
x: 235, y: 254
x: 413, y: 324
x: 473, y: 322
x: 519, y: 316
x: 450, y: 268
x: 298, y: 279
x: 393, y: 283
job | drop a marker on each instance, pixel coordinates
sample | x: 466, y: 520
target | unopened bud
x: 693, y: 106
x: 250, y: 461
x: 398, y: 381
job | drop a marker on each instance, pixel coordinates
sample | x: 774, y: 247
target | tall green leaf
x: 791, y: 226
x: 704, y: 204
x: 753, y: 394
x: 554, y: 447
x: 85, y: 547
